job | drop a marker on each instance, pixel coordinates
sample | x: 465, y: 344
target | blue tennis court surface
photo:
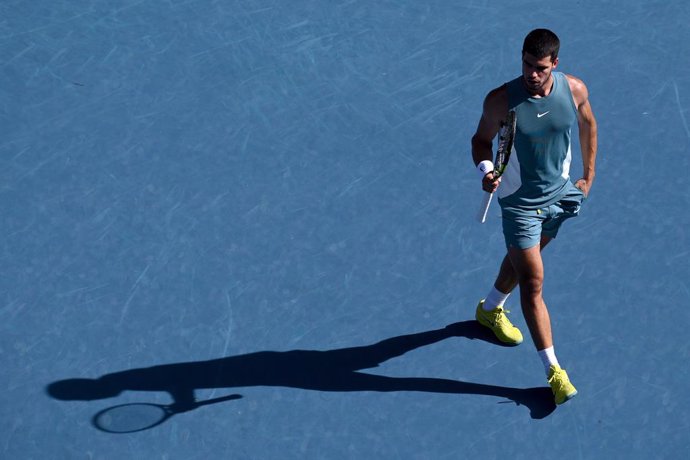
x: 270, y: 206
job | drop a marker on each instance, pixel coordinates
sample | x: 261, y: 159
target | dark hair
x: 541, y: 43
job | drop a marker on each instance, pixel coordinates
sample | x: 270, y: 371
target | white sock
x: 548, y: 358
x: 494, y: 299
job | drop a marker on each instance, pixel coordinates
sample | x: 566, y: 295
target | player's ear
x: 555, y: 62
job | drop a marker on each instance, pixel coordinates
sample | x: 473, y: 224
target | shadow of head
x: 80, y: 390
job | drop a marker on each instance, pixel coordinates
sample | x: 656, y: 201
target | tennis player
x: 535, y: 192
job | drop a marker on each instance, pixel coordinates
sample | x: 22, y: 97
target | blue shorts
x: 523, y: 228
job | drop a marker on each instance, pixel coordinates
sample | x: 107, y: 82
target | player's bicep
x: 585, y: 116
x: 581, y: 99
x: 486, y: 131
x: 490, y: 121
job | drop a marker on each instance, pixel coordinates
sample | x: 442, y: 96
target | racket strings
x: 506, y: 135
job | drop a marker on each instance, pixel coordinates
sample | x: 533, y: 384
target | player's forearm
x: 481, y: 150
x: 588, y: 143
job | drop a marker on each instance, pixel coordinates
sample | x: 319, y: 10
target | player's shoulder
x: 496, y: 101
x: 578, y: 89
x: 498, y: 94
x: 577, y: 86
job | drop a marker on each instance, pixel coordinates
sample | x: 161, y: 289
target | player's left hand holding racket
x: 506, y: 136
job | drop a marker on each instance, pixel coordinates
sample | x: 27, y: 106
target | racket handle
x: 484, y: 208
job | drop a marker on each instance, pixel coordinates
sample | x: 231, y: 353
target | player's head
x: 541, y: 43
x: 539, y: 58
x: 81, y: 390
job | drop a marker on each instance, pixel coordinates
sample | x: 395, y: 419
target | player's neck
x: 544, y: 91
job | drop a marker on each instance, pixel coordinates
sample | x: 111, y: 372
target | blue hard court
x: 269, y: 206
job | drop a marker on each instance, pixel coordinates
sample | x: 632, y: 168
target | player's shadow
x: 329, y: 370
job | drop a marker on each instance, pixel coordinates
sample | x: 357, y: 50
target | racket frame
x: 506, y: 138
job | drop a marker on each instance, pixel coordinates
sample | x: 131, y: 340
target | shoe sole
x: 567, y: 398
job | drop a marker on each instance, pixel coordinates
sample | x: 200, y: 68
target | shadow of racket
x: 133, y: 417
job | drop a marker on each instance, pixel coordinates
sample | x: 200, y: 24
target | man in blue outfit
x: 535, y: 192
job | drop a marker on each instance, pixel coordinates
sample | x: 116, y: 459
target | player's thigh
x: 528, y: 266
x: 522, y: 228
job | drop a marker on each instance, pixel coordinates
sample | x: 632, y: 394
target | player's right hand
x: 489, y: 184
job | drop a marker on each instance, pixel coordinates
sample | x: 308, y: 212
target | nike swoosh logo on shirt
x: 539, y: 115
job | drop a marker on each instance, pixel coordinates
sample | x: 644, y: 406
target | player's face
x: 536, y: 73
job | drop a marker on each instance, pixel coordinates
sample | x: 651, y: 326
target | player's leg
x: 507, y: 279
x: 529, y: 269
x: 529, y: 273
x: 521, y: 228
x: 505, y: 283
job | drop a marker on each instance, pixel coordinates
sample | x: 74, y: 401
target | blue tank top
x: 539, y: 167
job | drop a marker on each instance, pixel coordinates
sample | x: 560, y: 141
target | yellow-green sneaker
x: 560, y: 384
x: 498, y: 322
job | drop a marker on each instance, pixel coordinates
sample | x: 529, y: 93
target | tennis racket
x: 133, y: 417
x: 506, y: 136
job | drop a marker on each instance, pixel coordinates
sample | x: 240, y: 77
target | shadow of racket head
x: 133, y: 417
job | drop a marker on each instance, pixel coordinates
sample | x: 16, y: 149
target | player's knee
x: 532, y: 286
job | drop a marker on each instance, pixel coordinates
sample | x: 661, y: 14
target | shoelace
x: 500, y: 315
x: 557, y: 378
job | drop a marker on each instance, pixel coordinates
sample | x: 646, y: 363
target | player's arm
x: 587, y: 125
x: 494, y: 110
